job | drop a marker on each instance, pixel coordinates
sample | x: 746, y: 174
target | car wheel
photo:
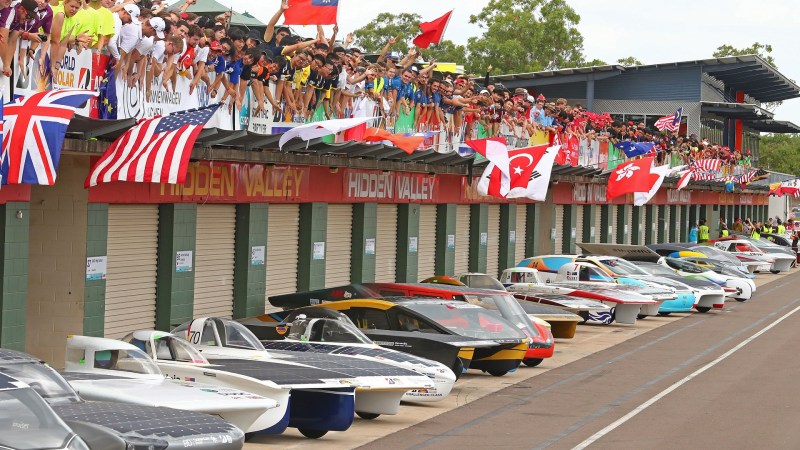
x: 641, y: 316
x: 584, y: 315
x: 367, y: 416
x: 312, y: 433
x: 497, y: 373
x: 532, y: 362
x: 703, y: 309
x: 664, y: 314
x: 775, y: 271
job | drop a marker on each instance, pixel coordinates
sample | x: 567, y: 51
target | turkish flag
x: 311, y: 12
x: 633, y: 176
x: 530, y: 169
x: 432, y: 31
x: 406, y: 143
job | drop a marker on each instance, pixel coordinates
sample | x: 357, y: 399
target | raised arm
x: 270, y: 31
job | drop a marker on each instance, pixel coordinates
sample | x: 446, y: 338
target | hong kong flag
x: 634, y: 176
x: 311, y: 12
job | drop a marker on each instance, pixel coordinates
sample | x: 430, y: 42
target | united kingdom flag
x: 33, y: 134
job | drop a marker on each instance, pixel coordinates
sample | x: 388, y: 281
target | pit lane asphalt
x: 608, y: 371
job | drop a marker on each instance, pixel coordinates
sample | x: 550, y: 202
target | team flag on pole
x: 433, y: 31
x: 671, y: 122
x: 635, y: 176
x: 33, y: 134
x: 641, y: 198
x: 311, y: 12
x: 496, y: 151
x: 156, y: 150
x: 530, y: 170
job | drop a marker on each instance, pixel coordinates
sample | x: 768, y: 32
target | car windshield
x: 713, y: 252
x: 165, y: 347
x: 468, y: 320
x: 26, y: 422
x: 621, y: 266
x: 508, y: 307
x: 481, y: 281
x: 44, y: 380
x: 684, y: 266
x: 132, y: 360
x: 657, y: 269
x: 238, y: 336
x: 327, y: 330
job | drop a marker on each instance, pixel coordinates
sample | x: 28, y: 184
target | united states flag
x: 709, y: 164
x: 671, y: 122
x: 156, y: 150
x: 33, y: 134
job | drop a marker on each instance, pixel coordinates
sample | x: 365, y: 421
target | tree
x: 446, y: 51
x: 526, y: 36
x: 629, y: 61
x: 780, y: 153
x: 372, y: 37
x: 762, y: 50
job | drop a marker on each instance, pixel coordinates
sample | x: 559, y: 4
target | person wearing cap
x: 12, y: 19
x: 127, y: 33
x: 32, y: 30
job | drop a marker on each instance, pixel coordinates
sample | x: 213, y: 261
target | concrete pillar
x: 445, y: 239
x: 407, y: 242
x: 313, y: 231
x: 250, y: 280
x: 177, y: 229
x: 622, y: 223
x: 478, y: 237
x: 508, y: 234
x: 590, y: 231
x: 638, y: 223
x: 570, y: 229
x: 365, y: 226
x: 606, y: 224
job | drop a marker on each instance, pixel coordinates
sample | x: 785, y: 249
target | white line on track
x: 593, y: 438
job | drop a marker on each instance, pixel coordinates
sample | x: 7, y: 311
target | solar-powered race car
x: 104, y: 425
x: 379, y: 386
x: 323, y: 330
x: 115, y: 371
x: 404, y: 317
x: 28, y: 422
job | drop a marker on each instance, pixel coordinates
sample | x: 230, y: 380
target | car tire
x: 367, y: 416
x: 664, y: 314
x: 497, y: 373
x: 312, y: 433
x: 703, y: 309
x: 532, y: 362
x: 641, y: 316
x: 775, y: 271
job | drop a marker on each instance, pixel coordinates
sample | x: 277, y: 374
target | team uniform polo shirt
x: 157, y: 52
x: 105, y: 21
x: 87, y: 21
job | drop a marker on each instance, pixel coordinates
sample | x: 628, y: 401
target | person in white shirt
x: 127, y: 34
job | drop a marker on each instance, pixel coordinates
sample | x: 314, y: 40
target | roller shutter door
x: 493, y: 243
x: 214, y: 259
x: 462, y: 239
x: 665, y: 225
x: 426, y: 247
x: 386, y: 244
x: 131, y: 269
x: 630, y: 223
x: 579, y: 225
x: 614, y: 223
x: 522, y: 235
x: 338, y: 248
x: 560, y: 229
x: 282, y: 237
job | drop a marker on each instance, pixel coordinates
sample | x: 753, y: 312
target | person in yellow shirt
x: 105, y: 22
x: 88, y: 22
x: 63, y: 34
x: 702, y: 232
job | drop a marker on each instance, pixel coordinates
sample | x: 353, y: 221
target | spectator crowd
x: 298, y: 79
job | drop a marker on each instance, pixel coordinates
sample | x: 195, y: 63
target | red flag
x: 496, y: 151
x: 406, y: 143
x: 634, y: 176
x: 356, y: 133
x: 522, y: 162
x: 311, y: 12
x: 432, y: 31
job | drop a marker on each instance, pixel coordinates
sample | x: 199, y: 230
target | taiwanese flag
x: 311, y: 12
x: 634, y: 176
x: 432, y: 31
